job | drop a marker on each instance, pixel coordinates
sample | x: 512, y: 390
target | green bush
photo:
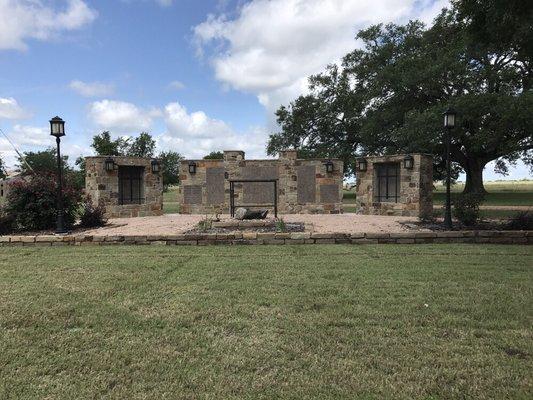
x: 92, y: 216
x: 31, y: 202
x: 466, y: 208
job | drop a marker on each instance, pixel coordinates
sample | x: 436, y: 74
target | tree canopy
x: 170, y: 163
x: 142, y: 146
x: 44, y: 161
x: 103, y: 145
x: 388, y: 95
x: 215, y: 155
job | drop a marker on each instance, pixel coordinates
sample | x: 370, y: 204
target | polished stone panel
x: 306, y: 184
x: 329, y: 193
x: 215, y: 185
x: 192, y: 194
x: 259, y: 192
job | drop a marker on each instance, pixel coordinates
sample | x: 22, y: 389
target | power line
x: 21, y: 156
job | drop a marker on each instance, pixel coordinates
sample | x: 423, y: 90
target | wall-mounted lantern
x: 329, y: 166
x: 192, y: 168
x: 156, y: 167
x: 361, y: 165
x: 408, y: 162
x: 109, y: 164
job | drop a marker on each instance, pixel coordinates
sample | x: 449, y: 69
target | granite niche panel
x: 329, y: 193
x: 306, y: 184
x: 215, y: 185
x: 192, y: 194
x: 259, y: 192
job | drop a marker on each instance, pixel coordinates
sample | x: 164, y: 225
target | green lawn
x: 286, y: 322
x: 496, y: 198
x: 501, y: 193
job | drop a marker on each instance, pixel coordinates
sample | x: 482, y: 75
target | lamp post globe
x: 57, y: 129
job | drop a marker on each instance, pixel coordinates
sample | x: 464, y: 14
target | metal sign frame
x: 232, y: 194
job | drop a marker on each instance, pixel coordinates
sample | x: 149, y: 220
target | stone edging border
x: 252, y: 238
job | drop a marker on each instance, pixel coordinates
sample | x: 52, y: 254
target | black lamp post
x: 329, y: 166
x: 57, y: 129
x: 449, y: 124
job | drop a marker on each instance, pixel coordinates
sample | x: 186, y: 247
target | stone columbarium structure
x: 395, y: 185
x: 303, y: 186
x: 127, y: 186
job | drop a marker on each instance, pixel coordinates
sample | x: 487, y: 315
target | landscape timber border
x: 253, y: 238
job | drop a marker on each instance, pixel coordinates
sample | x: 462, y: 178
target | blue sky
x: 198, y: 75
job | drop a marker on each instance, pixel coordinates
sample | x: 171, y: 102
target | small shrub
x: 92, y: 216
x: 522, y: 221
x: 466, y: 208
x: 281, y: 226
x: 205, y: 224
x: 31, y: 202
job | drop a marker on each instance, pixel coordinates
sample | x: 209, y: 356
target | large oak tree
x: 388, y: 95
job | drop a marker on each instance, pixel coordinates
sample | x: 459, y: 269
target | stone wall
x: 303, y: 185
x: 259, y: 238
x: 103, y: 186
x: 415, y: 190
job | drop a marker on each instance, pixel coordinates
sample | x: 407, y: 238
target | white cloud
x: 10, y: 109
x: 21, y: 20
x: 121, y: 117
x: 24, y: 138
x: 36, y: 138
x: 271, y: 47
x: 196, y: 134
x: 92, y: 89
x: 177, y: 85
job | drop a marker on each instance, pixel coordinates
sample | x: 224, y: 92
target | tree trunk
x: 474, y: 176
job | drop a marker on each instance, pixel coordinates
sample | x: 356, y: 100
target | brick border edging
x: 250, y: 238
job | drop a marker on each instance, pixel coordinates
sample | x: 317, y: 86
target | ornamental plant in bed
x: 31, y: 202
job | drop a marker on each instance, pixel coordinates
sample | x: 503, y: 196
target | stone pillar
x: 233, y: 155
x: 415, y: 190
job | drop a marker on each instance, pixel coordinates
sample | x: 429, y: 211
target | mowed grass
x: 170, y: 201
x: 267, y: 322
x: 500, y: 193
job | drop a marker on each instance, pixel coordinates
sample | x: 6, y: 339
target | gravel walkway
x: 169, y: 224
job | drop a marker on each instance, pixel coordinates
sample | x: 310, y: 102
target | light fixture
x: 192, y: 168
x: 109, y: 164
x: 408, y: 162
x: 57, y: 127
x: 156, y: 167
x: 361, y: 165
x: 449, y: 118
x: 329, y: 166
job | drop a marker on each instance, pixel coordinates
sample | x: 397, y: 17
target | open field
x: 291, y: 322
